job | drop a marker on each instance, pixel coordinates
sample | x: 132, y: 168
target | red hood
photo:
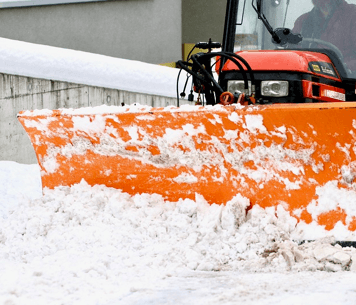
x: 281, y: 60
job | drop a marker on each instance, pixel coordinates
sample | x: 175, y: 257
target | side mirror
x: 259, y: 6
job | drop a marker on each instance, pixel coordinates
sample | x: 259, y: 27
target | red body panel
x: 283, y: 60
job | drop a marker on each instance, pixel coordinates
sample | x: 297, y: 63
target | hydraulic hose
x: 207, y: 74
x: 206, y: 77
x: 235, y: 59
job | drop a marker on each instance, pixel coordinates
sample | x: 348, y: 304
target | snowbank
x: 18, y: 183
x: 98, y: 245
x: 40, y: 61
x: 146, y: 230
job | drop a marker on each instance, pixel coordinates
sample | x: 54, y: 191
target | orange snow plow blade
x: 274, y: 154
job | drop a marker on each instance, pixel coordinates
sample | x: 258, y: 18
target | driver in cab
x: 333, y: 21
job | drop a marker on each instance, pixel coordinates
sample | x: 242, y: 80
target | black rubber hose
x: 238, y: 57
x: 210, y: 55
x: 185, y: 67
x: 216, y: 87
x: 180, y: 71
x: 234, y: 59
x: 208, y: 75
x: 252, y: 76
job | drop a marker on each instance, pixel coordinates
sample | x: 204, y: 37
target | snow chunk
x: 234, y: 117
x: 97, y: 125
x: 331, y: 197
x: 254, y: 123
x: 185, y: 178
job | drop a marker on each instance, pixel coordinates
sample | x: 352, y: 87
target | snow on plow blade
x: 291, y: 154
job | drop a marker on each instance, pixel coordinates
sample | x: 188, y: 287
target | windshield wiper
x: 280, y: 36
x: 261, y: 16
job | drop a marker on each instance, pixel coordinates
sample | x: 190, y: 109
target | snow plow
x: 278, y: 126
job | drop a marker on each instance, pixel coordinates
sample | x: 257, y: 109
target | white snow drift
x: 98, y: 245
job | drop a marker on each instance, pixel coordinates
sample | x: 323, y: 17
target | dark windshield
x: 323, y: 24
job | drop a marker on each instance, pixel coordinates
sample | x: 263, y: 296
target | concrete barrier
x: 19, y: 93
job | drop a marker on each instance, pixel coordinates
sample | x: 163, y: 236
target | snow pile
x: 18, y: 182
x: 144, y: 230
x: 92, y: 245
x: 45, y: 62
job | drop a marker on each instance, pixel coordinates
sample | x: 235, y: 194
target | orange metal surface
x: 271, y: 154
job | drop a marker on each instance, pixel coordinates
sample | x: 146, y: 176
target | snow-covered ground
x: 96, y: 245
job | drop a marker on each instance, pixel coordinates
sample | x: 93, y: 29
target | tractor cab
x: 296, y: 25
x: 278, y: 51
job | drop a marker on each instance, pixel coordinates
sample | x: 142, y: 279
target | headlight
x: 274, y: 88
x: 238, y: 86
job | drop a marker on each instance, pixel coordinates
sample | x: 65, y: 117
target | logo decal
x: 323, y: 68
x: 327, y: 70
x: 316, y: 68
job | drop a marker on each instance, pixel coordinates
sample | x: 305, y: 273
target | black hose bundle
x: 199, y: 66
